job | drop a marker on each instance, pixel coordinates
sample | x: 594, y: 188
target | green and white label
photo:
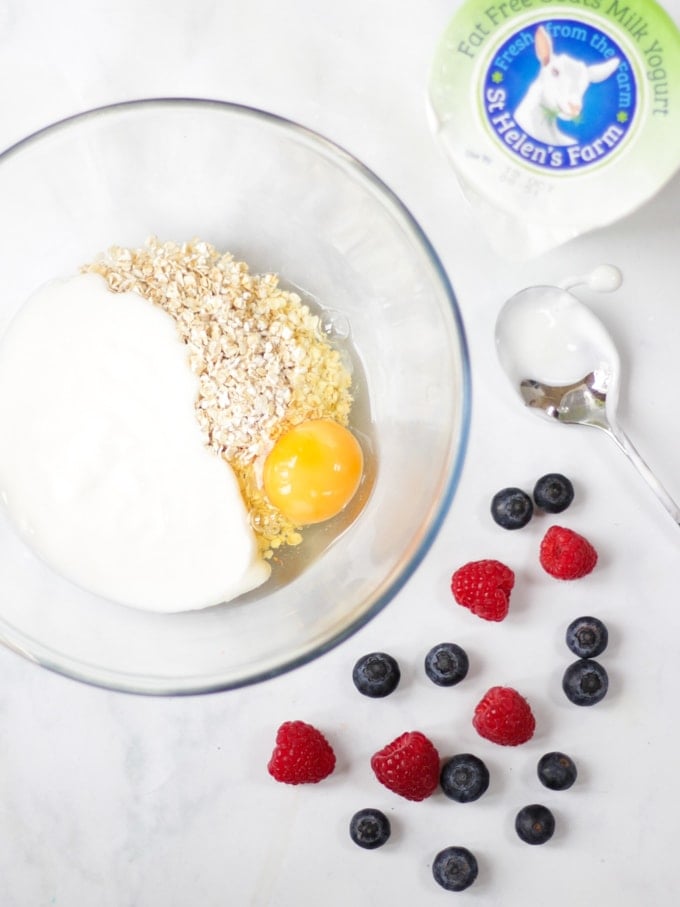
x: 562, y: 114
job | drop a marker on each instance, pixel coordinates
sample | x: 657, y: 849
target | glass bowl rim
x: 119, y: 681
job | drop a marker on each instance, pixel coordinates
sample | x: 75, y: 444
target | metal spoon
x: 563, y: 362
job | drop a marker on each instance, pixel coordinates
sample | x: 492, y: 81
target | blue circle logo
x: 560, y: 95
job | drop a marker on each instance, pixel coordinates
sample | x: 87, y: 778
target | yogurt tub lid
x: 558, y: 117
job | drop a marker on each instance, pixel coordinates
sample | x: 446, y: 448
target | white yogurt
x: 546, y: 334
x: 102, y: 465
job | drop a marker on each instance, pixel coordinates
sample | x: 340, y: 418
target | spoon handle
x: 626, y: 445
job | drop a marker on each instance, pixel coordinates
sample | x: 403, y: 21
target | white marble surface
x: 121, y: 801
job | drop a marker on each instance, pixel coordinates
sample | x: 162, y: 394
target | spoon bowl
x: 583, y: 402
x: 561, y: 359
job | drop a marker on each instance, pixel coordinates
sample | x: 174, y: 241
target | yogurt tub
x: 558, y: 118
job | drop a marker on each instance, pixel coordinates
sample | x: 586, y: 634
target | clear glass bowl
x: 285, y: 200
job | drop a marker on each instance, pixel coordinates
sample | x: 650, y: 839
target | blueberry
x: 511, y: 508
x: 587, y: 637
x: 464, y: 778
x: 553, y: 493
x: 369, y: 828
x: 535, y: 824
x: 376, y: 675
x: 556, y: 771
x: 446, y: 664
x: 454, y: 868
x: 585, y: 682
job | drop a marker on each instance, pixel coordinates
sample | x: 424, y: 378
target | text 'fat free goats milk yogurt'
x: 557, y: 117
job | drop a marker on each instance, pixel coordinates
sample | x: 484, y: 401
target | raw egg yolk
x: 313, y: 471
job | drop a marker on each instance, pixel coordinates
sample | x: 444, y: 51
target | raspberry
x: 504, y: 717
x: 409, y: 766
x: 484, y: 587
x: 302, y: 754
x: 565, y: 554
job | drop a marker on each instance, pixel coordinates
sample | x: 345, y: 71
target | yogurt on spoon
x: 562, y: 361
x: 546, y: 334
